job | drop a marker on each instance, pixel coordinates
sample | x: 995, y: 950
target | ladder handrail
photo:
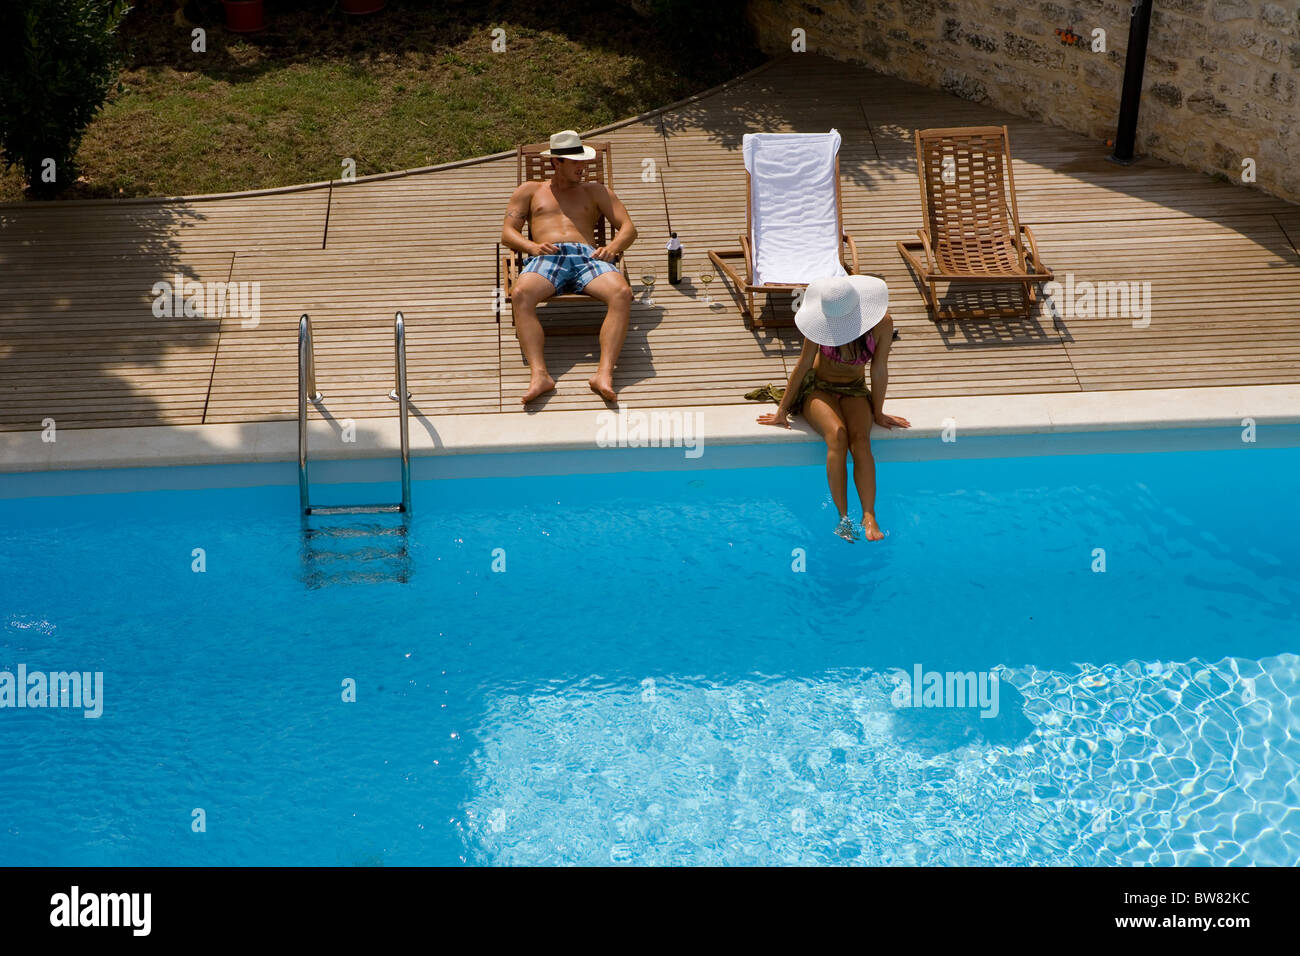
x: 306, y: 382
x: 399, y: 373
x: 307, y: 385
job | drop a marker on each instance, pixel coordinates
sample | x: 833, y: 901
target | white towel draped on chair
x: 795, y: 229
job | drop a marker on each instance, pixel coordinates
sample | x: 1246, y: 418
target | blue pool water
x: 650, y: 682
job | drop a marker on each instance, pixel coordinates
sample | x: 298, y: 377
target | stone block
x: 1279, y: 18
x: 1206, y: 105
x: 1021, y: 48
x: 1004, y: 15
x: 1224, y: 158
x: 1166, y: 93
x: 875, y: 47
x: 920, y: 12
x: 1195, y: 8
x: 965, y: 86
x: 1222, y: 10
x: 1276, y: 86
x: 1161, y: 66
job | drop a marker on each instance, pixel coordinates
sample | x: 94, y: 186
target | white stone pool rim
x: 1226, y: 407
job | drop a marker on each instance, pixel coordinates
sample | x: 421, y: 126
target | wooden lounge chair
x: 972, y: 231
x: 794, y: 229
x: 531, y: 165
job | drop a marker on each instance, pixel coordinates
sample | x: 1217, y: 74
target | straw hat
x: 838, y: 310
x: 568, y: 145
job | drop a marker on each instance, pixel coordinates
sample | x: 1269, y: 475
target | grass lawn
x: 413, y: 85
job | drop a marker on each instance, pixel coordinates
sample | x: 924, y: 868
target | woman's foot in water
x: 870, y: 528
x: 846, y: 529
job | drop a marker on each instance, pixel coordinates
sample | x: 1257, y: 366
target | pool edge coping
x: 586, y: 430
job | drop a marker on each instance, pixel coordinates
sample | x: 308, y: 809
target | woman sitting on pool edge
x: 846, y: 325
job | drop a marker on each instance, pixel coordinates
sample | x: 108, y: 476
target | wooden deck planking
x: 1223, y: 305
x: 160, y: 232
x: 1288, y: 219
x: 77, y: 340
x: 80, y: 344
x: 452, y: 358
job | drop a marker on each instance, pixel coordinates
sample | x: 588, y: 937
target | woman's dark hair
x: 851, y: 352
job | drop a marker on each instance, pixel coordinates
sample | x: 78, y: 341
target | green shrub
x: 58, y: 61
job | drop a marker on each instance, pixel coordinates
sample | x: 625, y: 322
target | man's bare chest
x: 577, y: 205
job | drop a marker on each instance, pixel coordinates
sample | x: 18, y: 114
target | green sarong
x: 774, y: 393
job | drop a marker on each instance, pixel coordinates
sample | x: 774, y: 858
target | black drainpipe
x: 1130, y: 98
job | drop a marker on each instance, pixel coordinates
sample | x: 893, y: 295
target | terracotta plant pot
x: 361, y: 6
x: 243, y: 16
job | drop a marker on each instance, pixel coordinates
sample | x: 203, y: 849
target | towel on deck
x: 795, y: 228
x: 774, y: 393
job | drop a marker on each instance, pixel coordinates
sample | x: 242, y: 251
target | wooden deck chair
x: 531, y: 165
x: 794, y: 230
x: 972, y: 231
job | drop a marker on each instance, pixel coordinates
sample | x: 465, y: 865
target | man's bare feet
x: 602, y: 383
x: 871, y: 529
x: 538, y: 385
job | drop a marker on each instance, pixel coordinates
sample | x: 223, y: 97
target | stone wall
x: 1220, y: 84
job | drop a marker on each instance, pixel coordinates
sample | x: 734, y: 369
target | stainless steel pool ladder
x: 307, y: 387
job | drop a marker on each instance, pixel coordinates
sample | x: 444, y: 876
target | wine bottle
x: 674, y: 260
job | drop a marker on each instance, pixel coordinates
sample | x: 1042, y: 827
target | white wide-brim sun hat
x: 567, y: 144
x: 837, y: 310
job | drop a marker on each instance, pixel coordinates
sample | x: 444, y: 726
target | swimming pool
x: 630, y: 668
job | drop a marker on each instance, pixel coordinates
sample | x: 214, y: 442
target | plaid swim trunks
x: 571, y: 268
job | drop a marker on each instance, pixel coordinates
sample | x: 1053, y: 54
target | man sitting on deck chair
x: 562, y: 214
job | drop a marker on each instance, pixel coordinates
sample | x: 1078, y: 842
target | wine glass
x: 707, y: 276
x: 648, y: 281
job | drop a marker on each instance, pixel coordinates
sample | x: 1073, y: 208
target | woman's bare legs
x: 822, y: 410
x: 858, y: 417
